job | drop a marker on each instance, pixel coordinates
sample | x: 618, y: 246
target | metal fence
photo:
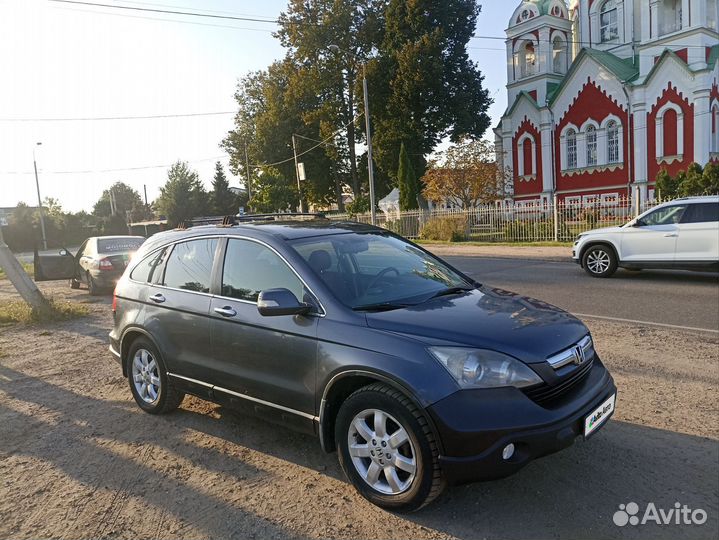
x: 508, y: 222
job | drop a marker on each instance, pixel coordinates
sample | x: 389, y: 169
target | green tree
x: 466, y: 174
x: 127, y: 199
x: 693, y: 181
x: 274, y: 192
x: 424, y: 86
x: 222, y: 199
x: 408, y: 191
x: 182, y: 197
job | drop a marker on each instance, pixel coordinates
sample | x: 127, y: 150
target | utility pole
x: 370, y: 166
x: 39, y: 199
x: 247, y: 171
x: 144, y: 188
x: 297, y: 173
x: 23, y: 284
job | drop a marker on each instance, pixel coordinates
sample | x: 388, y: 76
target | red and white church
x: 603, y: 94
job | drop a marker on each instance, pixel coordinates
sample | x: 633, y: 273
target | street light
x: 370, y: 166
x: 39, y: 199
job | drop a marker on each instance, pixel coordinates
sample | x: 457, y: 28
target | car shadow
x: 667, y: 275
x: 573, y: 494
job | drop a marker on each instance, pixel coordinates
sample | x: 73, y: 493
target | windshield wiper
x: 380, y: 306
x: 451, y: 290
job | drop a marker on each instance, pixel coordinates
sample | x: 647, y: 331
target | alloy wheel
x: 146, y: 376
x: 598, y: 261
x: 382, y: 451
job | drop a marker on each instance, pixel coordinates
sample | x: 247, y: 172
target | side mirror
x: 274, y: 302
x: 638, y: 223
x: 64, y: 252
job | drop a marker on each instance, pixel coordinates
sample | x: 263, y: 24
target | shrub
x: 447, y: 229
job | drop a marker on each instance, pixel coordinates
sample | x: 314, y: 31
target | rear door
x: 177, y: 305
x: 654, y: 238
x: 270, y: 359
x: 699, y: 233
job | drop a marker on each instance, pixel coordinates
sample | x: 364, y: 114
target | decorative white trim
x: 669, y: 159
x: 659, y: 131
x: 595, y: 169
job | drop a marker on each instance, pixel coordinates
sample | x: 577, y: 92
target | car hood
x: 603, y: 230
x: 528, y: 329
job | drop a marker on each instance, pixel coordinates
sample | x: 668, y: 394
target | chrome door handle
x: 226, y: 311
x: 157, y: 298
x: 671, y: 235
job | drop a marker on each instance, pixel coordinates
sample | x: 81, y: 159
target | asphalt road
x: 687, y: 299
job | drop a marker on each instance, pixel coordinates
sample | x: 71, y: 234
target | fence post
x: 555, y: 212
x: 637, y: 202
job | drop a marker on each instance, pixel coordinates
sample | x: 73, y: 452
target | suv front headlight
x: 481, y: 368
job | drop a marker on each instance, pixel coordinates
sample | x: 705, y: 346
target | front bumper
x: 475, y: 425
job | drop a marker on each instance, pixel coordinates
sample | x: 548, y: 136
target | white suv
x: 681, y: 234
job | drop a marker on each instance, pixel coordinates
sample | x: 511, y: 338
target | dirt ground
x: 78, y: 459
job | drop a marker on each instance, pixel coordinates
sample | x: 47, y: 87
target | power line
x: 168, y: 11
x: 98, y: 171
x: 320, y: 143
x: 89, y: 118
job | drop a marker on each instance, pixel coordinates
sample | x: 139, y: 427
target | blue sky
x: 64, y: 61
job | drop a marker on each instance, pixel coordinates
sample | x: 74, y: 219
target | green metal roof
x: 624, y: 68
x: 713, y: 56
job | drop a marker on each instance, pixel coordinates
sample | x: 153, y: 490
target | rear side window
x: 189, y: 265
x: 143, y: 272
x: 251, y: 268
x: 701, y: 213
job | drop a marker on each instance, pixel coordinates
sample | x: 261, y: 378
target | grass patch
x: 509, y: 244
x: 28, y: 267
x: 17, y: 311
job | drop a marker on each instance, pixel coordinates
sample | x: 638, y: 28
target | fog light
x: 508, y: 451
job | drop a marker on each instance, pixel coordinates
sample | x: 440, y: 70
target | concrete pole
x: 297, y: 173
x: 23, y: 284
x: 370, y: 166
x: 39, y: 202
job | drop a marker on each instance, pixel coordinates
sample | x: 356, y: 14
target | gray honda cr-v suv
x: 416, y: 374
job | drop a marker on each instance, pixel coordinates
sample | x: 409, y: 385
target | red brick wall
x: 592, y: 103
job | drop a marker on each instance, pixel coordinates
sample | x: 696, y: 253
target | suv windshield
x: 367, y: 271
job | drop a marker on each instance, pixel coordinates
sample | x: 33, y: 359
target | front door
x: 268, y: 361
x: 654, y: 236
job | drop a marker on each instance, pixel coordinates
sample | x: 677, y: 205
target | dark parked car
x: 99, y: 262
x: 416, y: 374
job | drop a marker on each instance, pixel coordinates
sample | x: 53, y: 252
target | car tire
x: 74, y: 284
x: 599, y: 261
x: 92, y: 287
x: 402, y: 473
x: 149, y: 383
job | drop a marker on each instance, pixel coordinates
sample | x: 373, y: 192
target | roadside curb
x: 532, y: 253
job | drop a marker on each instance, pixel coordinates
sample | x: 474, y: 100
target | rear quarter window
x: 143, y: 272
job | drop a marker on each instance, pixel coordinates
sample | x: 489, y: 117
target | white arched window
x: 559, y: 55
x: 591, y: 138
x: 613, y: 142
x: 571, y: 149
x: 669, y: 134
x: 527, y: 156
x: 608, y: 25
x: 527, y: 59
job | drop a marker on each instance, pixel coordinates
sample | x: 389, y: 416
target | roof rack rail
x: 228, y: 221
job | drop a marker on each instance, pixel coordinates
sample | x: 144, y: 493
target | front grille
x: 544, y: 394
